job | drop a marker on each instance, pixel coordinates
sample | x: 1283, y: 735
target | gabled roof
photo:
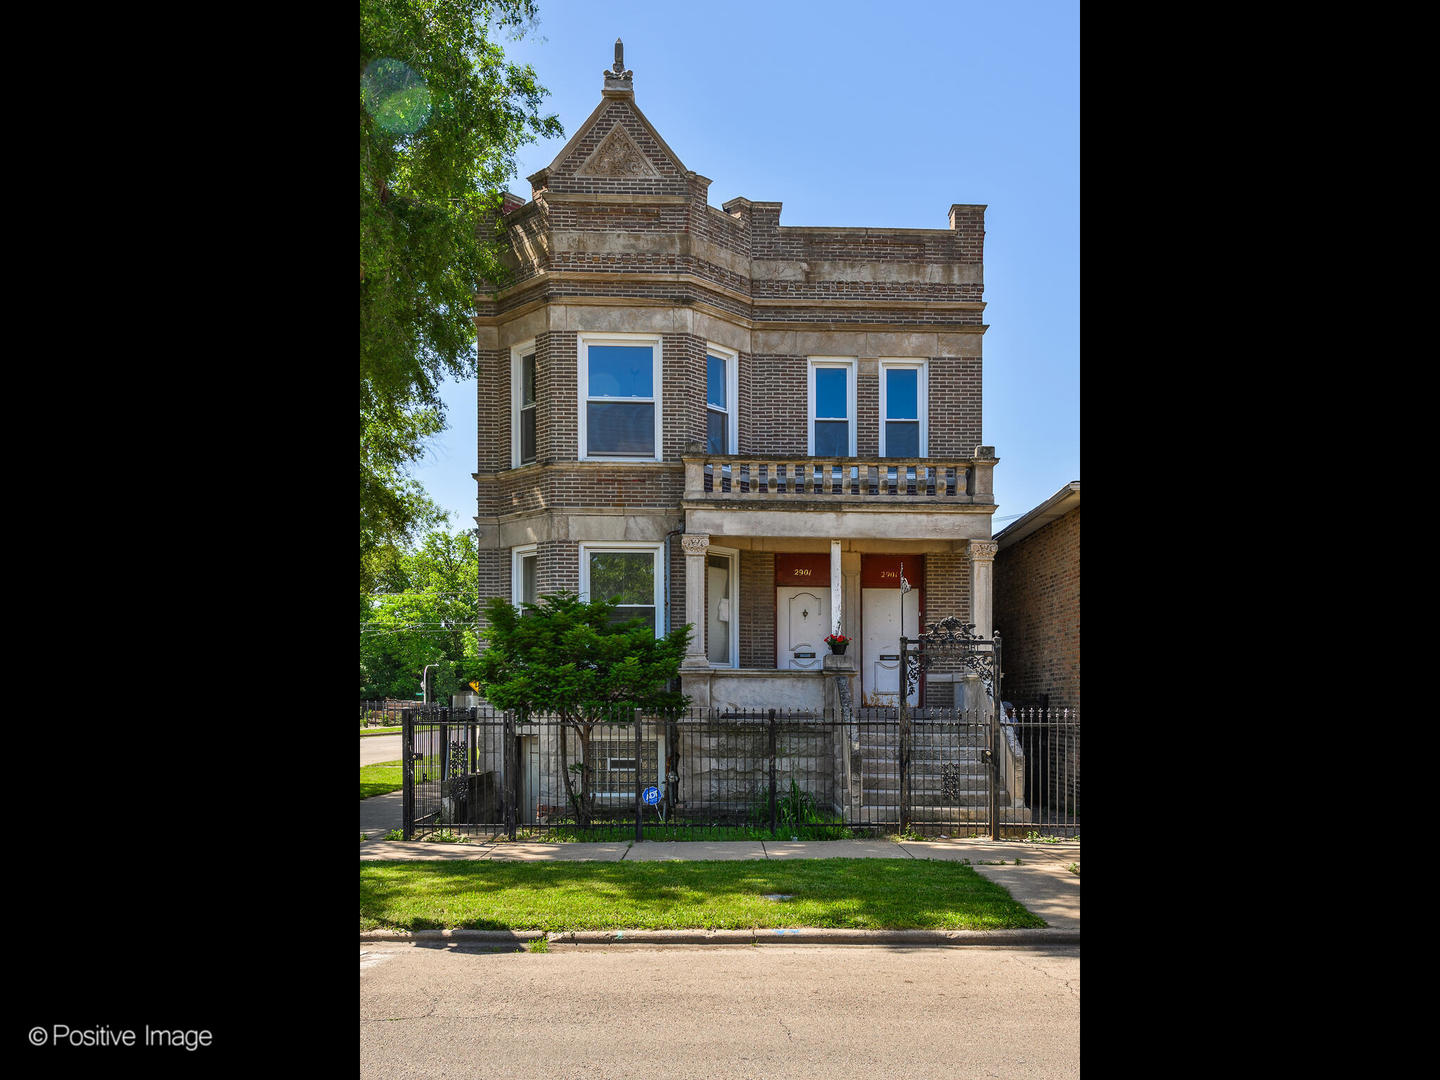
x: 1057, y: 506
x: 617, y: 116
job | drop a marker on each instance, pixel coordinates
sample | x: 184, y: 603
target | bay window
x: 619, y: 384
x: 630, y: 575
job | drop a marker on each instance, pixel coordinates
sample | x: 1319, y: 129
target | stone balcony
x: 777, y: 480
x: 787, y: 495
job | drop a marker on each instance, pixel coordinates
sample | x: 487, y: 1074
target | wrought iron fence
x: 733, y: 774
x: 385, y: 713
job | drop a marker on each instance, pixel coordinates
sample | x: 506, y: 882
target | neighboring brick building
x: 732, y: 423
x: 1037, y: 602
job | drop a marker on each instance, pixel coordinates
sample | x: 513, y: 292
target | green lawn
x: 380, y: 778
x: 872, y: 894
x: 380, y: 731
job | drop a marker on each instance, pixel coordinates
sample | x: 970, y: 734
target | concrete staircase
x: 949, y: 778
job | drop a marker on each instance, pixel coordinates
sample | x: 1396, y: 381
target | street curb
x: 778, y: 935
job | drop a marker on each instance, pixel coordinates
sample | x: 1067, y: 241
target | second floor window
x: 527, y: 409
x: 522, y: 405
x: 832, y: 408
x: 902, y: 409
x: 619, y: 397
x: 719, y: 402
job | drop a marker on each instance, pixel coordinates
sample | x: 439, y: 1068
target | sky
x: 859, y: 114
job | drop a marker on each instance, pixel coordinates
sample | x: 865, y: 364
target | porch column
x: 982, y: 585
x: 837, y: 591
x: 695, y: 545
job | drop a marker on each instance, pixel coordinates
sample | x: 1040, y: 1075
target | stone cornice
x: 758, y: 307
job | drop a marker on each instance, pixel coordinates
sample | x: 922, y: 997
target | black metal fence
x: 385, y: 713
x: 732, y: 774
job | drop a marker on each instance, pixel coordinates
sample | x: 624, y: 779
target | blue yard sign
x: 651, y: 795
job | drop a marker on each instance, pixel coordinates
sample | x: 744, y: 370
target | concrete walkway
x: 1041, y: 879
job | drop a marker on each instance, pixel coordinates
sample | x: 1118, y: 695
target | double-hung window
x: 720, y: 393
x: 619, y: 381
x: 628, y: 574
x: 522, y: 405
x: 902, y: 409
x: 524, y: 562
x: 832, y: 408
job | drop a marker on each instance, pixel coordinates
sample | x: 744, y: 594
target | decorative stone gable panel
x: 618, y: 156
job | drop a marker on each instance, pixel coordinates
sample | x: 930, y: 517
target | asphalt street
x: 377, y: 748
x: 764, y: 1012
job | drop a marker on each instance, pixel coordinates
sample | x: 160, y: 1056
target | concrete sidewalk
x: 1040, y: 880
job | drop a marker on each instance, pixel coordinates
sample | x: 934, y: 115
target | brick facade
x: 619, y: 238
x: 1037, y: 612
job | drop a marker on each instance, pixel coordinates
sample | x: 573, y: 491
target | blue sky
x: 856, y: 114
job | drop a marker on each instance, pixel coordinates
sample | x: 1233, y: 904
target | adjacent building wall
x: 1037, y: 613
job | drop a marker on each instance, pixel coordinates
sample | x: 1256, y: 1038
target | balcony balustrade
x: 732, y: 478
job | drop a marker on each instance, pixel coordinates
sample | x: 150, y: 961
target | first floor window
x: 522, y: 585
x: 630, y: 577
x: 721, y: 611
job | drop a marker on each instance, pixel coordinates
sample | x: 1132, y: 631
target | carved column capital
x: 983, y: 550
x: 695, y: 543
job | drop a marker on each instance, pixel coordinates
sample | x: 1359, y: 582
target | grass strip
x: 380, y: 778
x: 867, y: 894
x: 379, y: 731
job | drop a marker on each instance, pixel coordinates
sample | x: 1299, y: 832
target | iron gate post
x: 639, y: 803
x: 903, y: 734
x: 510, y: 757
x: 407, y: 773
x: 996, y: 715
x: 773, y: 822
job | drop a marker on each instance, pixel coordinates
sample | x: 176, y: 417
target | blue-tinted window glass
x: 902, y: 438
x: 830, y: 396
x: 715, y: 382
x: 902, y: 395
x: 621, y: 371
x: 832, y: 438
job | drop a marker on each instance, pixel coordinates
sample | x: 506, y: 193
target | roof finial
x: 617, y: 73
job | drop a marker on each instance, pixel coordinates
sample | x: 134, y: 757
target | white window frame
x: 585, y: 340
x: 922, y: 403
x: 850, y: 365
x: 517, y: 354
x: 733, y: 554
x: 517, y: 579
x: 657, y: 551
x: 732, y: 395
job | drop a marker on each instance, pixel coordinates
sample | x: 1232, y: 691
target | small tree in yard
x: 570, y: 658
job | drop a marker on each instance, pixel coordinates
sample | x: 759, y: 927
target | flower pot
x: 839, y: 647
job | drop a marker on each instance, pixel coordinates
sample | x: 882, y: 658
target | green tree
x: 426, y: 614
x: 441, y: 116
x: 571, y: 659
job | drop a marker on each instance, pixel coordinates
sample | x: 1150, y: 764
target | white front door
x: 802, y: 615
x: 880, y: 644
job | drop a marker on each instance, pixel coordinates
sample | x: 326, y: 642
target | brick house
x: 1037, y: 602
x: 722, y: 421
